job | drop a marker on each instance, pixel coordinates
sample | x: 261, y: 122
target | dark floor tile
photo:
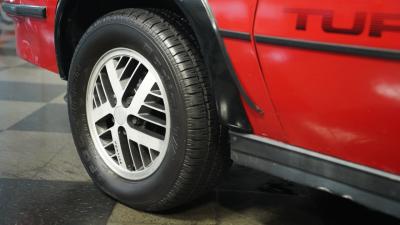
x: 245, y: 179
x: 50, y: 118
x: 8, y: 51
x: 30, y: 92
x: 264, y: 199
x: 25, y: 202
x: 317, y: 208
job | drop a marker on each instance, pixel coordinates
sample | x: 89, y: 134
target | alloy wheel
x: 128, y: 113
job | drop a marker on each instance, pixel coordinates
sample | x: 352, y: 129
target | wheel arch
x: 73, y: 18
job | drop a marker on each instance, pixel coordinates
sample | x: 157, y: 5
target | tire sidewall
x: 98, y: 40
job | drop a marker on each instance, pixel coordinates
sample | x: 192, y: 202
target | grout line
x: 47, y: 163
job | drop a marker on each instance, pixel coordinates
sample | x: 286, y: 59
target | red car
x: 162, y: 94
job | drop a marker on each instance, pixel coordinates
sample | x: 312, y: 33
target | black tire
x: 198, y: 151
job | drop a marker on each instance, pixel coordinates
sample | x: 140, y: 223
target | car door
x: 35, y: 36
x: 333, y: 71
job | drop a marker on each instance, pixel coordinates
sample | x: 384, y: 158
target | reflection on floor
x: 43, y: 182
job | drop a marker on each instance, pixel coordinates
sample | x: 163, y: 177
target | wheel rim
x: 128, y: 113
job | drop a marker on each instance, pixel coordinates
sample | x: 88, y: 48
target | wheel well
x: 74, y: 17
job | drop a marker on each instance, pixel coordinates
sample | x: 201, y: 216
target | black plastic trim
x: 375, y: 191
x: 206, y: 29
x: 227, y: 88
x: 62, y: 65
x: 316, y: 46
x: 25, y: 10
x: 235, y: 35
x: 328, y: 47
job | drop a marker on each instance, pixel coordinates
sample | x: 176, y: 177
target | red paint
x: 339, y: 105
x: 35, y: 37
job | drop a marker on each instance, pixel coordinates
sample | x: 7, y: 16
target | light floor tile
x: 59, y: 100
x: 12, y: 112
x: 65, y: 166
x: 26, y: 141
x: 31, y: 74
x: 10, y: 61
x: 23, y: 164
x: 25, y: 154
x: 201, y: 215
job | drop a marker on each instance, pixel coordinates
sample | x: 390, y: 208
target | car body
x: 310, y: 90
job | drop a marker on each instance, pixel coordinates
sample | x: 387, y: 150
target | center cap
x: 120, y: 115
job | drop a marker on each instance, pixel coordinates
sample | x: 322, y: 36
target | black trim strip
x: 25, y: 10
x: 375, y: 191
x: 336, y: 48
x: 316, y: 46
x: 235, y: 35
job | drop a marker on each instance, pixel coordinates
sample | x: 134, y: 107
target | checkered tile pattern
x: 42, y: 180
x: 33, y: 116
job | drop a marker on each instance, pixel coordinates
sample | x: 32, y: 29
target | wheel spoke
x: 114, y: 79
x: 118, y: 147
x: 141, y: 93
x: 128, y: 113
x: 102, y: 111
x: 144, y: 139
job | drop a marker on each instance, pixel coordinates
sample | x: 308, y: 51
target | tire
x: 196, y: 148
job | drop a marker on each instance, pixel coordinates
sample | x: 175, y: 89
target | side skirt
x: 372, y: 188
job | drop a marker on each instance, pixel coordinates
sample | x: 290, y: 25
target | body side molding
x: 235, y: 35
x: 330, y: 47
x: 316, y: 45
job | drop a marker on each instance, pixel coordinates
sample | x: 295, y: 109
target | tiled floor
x: 43, y: 182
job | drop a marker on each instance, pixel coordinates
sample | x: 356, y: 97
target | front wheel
x: 142, y: 112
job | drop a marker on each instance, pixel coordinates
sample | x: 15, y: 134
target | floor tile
x: 31, y: 74
x: 23, y: 164
x: 8, y: 52
x: 50, y: 118
x: 30, y: 92
x: 33, y: 141
x: 65, y: 166
x: 26, y: 202
x: 12, y: 112
x: 269, y: 201
x: 10, y: 44
x: 202, y: 215
x: 59, y: 100
x: 10, y: 61
x: 317, y: 208
x: 25, y: 154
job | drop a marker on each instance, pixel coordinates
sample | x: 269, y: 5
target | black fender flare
x: 228, y: 91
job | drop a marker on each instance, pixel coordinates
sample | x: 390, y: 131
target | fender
x: 227, y: 89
